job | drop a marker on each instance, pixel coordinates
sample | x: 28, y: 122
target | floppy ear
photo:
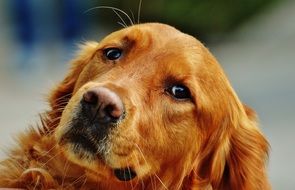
x: 234, y: 158
x: 238, y: 159
x: 246, y: 156
x: 234, y: 152
x: 62, y: 93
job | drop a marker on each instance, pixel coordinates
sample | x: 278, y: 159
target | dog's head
x: 151, y: 104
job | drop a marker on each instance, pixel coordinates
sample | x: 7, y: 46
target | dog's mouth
x: 124, y: 174
x: 81, y: 144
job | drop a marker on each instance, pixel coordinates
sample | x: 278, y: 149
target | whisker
x: 139, y: 10
x: 37, y: 182
x: 130, y: 180
x: 61, y: 101
x: 55, y: 119
x: 153, y: 182
x: 54, y: 156
x: 112, y: 8
x: 47, y: 152
x: 58, y: 109
x: 142, y: 184
x: 123, y: 23
x: 84, y: 183
x: 141, y: 153
x: 62, y: 97
x: 80, y: 179
x: 161, y: 181
x: 120, y: 23
x: 146, y: 162
x: 65, y: 170
x: 132, y: 16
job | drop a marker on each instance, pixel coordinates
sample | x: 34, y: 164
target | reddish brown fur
x: 210, y: 142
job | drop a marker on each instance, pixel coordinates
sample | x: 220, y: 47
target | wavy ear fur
x: 246, y: 157
x: 234, y: 151
x: 238, y: 158
x: 234, y: 159
x: 61, y: 94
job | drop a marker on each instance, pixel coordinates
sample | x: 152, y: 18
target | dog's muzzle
x: 99, y: 111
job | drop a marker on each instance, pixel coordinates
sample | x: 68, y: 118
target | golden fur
x: 208, y: 142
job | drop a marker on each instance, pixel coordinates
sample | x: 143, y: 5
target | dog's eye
x: 113, y: 53
x: 180, y: 92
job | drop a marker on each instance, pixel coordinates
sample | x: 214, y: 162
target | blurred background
x: 254, y: 41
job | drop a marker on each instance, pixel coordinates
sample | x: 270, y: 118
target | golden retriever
x: 146, y: 108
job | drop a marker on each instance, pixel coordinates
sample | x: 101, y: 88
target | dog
x: 148, y: 107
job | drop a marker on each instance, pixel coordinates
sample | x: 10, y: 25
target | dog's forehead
x: 151, y: 34
x: 156, y: 44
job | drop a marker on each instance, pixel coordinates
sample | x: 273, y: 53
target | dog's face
x: 134, y: 104
x: 146, y: 101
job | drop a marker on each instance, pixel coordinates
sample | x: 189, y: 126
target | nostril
x: 114, y: 111
x: 90, y: 97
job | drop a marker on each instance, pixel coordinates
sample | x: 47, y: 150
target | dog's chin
x: 88, y: 158
x: 77, y: 154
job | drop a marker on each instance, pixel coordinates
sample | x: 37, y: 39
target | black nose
x: 105, y: 105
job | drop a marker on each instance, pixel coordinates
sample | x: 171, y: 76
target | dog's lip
x: 79, y: 139
x: 125, y: 174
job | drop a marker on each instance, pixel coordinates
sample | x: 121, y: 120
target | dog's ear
x: 61, y: 94
x: 246, y: 155
x: 237, y: 159
x: 234, y: 152
x: 234, y: 157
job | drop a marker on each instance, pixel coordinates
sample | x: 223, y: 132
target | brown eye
x: 179, y: 92
x: 112, y: 53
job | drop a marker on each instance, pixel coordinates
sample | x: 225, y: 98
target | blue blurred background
x: 254, y: 41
